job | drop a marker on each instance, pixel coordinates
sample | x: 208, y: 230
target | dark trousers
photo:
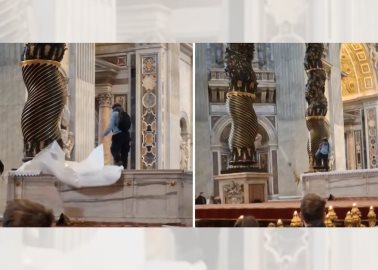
x: 120, y: 148
x: 322, y: 158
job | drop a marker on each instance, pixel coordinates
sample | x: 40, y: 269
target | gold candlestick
x: 348, y: 222
x: 356, y: 216
x: 372, y: 217
x: 355, y: 210
x: 328, y: 222
x: 296, y: 220
x: 280, y: 223
x: 356, y: 220
x: 332, y: 214
x: 271, y: 225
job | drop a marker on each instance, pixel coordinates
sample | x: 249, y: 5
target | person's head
x: 25, y: 213
x: 325, y: 139
x: 246, y: 221
x: 116, y: 106
x: 313, y: 209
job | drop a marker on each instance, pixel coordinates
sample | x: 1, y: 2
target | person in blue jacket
x: 322, y: 154
x: 120, y: 139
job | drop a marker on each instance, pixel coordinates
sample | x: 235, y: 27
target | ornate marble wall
x: 359, y: 80
x: 163, y: 87
x: 149, y: 83
x: 371, y: 135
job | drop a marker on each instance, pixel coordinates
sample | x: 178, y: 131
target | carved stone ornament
x: 233, y: 193
x: 105, y: 99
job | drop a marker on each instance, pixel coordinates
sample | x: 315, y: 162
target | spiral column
x: 240, y: 97
x: 317, y: 102
x: 46, y: 88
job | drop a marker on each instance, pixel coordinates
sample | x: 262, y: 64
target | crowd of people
x: 312, y: 212
x: 26, y: 213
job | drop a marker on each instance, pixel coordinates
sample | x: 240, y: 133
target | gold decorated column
x: 105, y: 100
x: 240, y: 97
x: 46, y: 86
x: 317, y: 102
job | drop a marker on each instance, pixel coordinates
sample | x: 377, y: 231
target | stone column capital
x: 105, y: 99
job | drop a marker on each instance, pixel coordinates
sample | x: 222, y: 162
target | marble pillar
x: 351, y: 149
x: 12, y: 100
x: 186, y: 97
x: 82, y: 98
x: 105, y: 99
x: 173, y: 134
x: 335, y: 109
x: 203, y: 159
x: 292, y: 159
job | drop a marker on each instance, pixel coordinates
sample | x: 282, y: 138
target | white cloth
x: 87, y: 173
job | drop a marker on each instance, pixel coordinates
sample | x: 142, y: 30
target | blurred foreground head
x: 313, y: 210
x: 246, y: 221
x: 25, y: 213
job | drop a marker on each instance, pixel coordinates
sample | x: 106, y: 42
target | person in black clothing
x: 120, y: 139
x: 201, y: 199
x: 1, y: 167
x: 313, y: 210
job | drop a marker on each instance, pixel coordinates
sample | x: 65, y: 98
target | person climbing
x: 119, y: 126
x: 322, y: 153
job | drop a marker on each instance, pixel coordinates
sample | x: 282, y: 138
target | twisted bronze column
x: 240, y: 97
x: 317, y: 102
x: 46, y: 96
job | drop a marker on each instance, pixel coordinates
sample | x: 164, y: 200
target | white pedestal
x: 356, y: 183
x: 153, y: 196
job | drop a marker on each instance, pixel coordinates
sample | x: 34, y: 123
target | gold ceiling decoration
x: 357, y: 70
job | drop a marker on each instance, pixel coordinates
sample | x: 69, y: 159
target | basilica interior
x: 351, y: 91
x: 153, y: 84
x: 98, y: 75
